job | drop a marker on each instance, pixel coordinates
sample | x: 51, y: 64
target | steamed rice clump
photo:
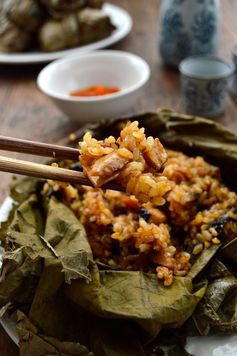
x: 129, y: 233
x: 132, y: 160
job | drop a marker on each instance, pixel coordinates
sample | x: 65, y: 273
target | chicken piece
x: 107, y: 167
x: 154, y: 153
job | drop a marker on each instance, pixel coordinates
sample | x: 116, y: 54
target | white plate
x: 119, y: 17
x: 216, y: 345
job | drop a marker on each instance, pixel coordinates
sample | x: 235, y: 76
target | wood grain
x: 36, y: 148
x: 39, y: 170
x: 26, y: 113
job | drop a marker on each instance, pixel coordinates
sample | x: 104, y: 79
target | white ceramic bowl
x: 109, y: 68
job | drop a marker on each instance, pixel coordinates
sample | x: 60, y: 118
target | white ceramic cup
x: 205, y: 84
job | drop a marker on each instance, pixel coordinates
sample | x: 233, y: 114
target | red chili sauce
x: 96, y: 90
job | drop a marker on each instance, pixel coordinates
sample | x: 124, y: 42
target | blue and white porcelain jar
x: 234, y: 87
x: 188, y: 27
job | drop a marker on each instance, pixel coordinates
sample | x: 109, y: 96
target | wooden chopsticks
x: 38, y: 148
x: 38, y: 170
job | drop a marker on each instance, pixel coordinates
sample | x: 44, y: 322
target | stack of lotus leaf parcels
x: 51, y: 25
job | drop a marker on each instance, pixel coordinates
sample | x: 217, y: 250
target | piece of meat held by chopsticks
x: 133, y: 160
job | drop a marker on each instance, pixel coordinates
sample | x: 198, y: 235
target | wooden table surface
x: 26, y: 113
